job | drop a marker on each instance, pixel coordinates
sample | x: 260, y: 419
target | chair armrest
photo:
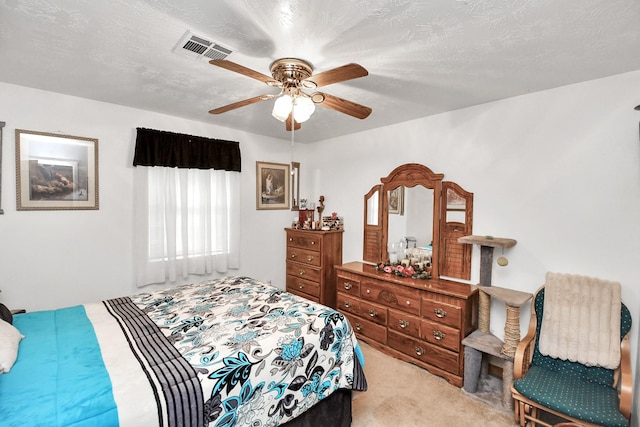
x: 626, y: 380
x: 524, y: 351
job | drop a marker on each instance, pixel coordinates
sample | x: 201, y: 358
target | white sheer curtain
x: 187, y: 221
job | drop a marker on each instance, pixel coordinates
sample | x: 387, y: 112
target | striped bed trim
x: 174, y: 381
x: 359, y: 380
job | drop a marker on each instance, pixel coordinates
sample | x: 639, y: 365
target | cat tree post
x: 487, y: 246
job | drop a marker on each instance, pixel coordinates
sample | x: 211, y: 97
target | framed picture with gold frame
x: 272, y: 185
x: 396, y: 201
x: 56, y: 172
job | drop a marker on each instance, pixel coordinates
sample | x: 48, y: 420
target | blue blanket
x: 47, y: 367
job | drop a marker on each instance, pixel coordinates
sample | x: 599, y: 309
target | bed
x: 227, y: 352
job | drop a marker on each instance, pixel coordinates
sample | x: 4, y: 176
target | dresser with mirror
x: 423, y: 321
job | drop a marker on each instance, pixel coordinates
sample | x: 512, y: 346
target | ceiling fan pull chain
x: 293, y: 131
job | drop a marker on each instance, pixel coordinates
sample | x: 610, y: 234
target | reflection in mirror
x: 456, y: 207
x: 295, y: 186
x: 415, y: 226
x: 372, y: 208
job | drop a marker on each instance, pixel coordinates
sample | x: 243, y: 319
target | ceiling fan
x: 293, y: 105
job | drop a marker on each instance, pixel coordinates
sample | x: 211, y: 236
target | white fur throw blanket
x: 581, y: 320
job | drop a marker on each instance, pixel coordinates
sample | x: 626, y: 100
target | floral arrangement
x: 415, y: 272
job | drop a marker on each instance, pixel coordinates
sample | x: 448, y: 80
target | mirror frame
x: 411, y: 175
x: 372, y: 243
x: 295, y: 186
x: 456, y: 259
x: 375, y: 244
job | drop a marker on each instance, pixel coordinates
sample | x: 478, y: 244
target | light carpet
x: 401, y: 394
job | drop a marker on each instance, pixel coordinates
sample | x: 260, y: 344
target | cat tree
x: 482, y: 343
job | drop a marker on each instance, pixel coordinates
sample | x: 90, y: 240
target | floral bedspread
x: 263, y: 356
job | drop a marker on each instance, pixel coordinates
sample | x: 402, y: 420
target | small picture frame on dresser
x: 305, y: 218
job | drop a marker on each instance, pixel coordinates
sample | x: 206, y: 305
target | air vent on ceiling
x: 198, y: 47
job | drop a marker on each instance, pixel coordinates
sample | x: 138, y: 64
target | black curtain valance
x: 177, y: 150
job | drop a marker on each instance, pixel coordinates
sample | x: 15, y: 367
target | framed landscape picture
x: 272, y: 185
x: 56, y: 172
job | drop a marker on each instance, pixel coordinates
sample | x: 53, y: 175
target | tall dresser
x: 312, y: 256
x: 418, y: 321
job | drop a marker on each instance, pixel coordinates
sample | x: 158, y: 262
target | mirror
x: 295, y: 186
x: 412, y: 213
x: 456, y: 206
x: 413, y: 217
x: 410, y: 224
x: 372, y: 210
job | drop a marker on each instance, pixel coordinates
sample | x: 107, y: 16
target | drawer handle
x: 368, y: 291
x: 439, y: 335
x: 403, y: 324
x: 440, y: 312
x: 347, y: 304
x: 313, y: 242
x: 300, y: 285
x: 348, y: 285
x: 372, y: 312
x: 420, y: 351
x: 301, y: 272
x: 358, y: 327
x: 309, y: 258
x: 293, y: 255
x: 408, y: 302
x: 291, y: 239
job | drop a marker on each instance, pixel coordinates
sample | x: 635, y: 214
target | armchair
x: 585, y: 395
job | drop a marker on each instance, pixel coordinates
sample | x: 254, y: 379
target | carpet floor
x: 401, y: 394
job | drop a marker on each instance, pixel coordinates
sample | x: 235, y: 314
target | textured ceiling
x: 423, y: 57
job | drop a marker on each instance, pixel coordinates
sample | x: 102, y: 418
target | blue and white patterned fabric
x: 263, y: 356
x: 228, y: 352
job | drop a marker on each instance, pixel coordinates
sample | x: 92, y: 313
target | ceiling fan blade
x: 347, y: 107
x: 336, y: 75
x: 296, y: 125
x: 232, y: 66
x: 239, y: 104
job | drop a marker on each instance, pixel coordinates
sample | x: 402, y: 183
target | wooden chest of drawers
x: 311, y: 259
x: 419, y: 321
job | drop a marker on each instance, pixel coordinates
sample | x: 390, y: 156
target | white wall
x: 52, y: 259
x: 559, y: 171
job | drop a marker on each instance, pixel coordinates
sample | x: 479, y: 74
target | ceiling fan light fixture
x: 303, y: 108
x: 282, y: 107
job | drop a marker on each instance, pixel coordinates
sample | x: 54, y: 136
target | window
x: 187, y: 214
x: 187, y: 222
